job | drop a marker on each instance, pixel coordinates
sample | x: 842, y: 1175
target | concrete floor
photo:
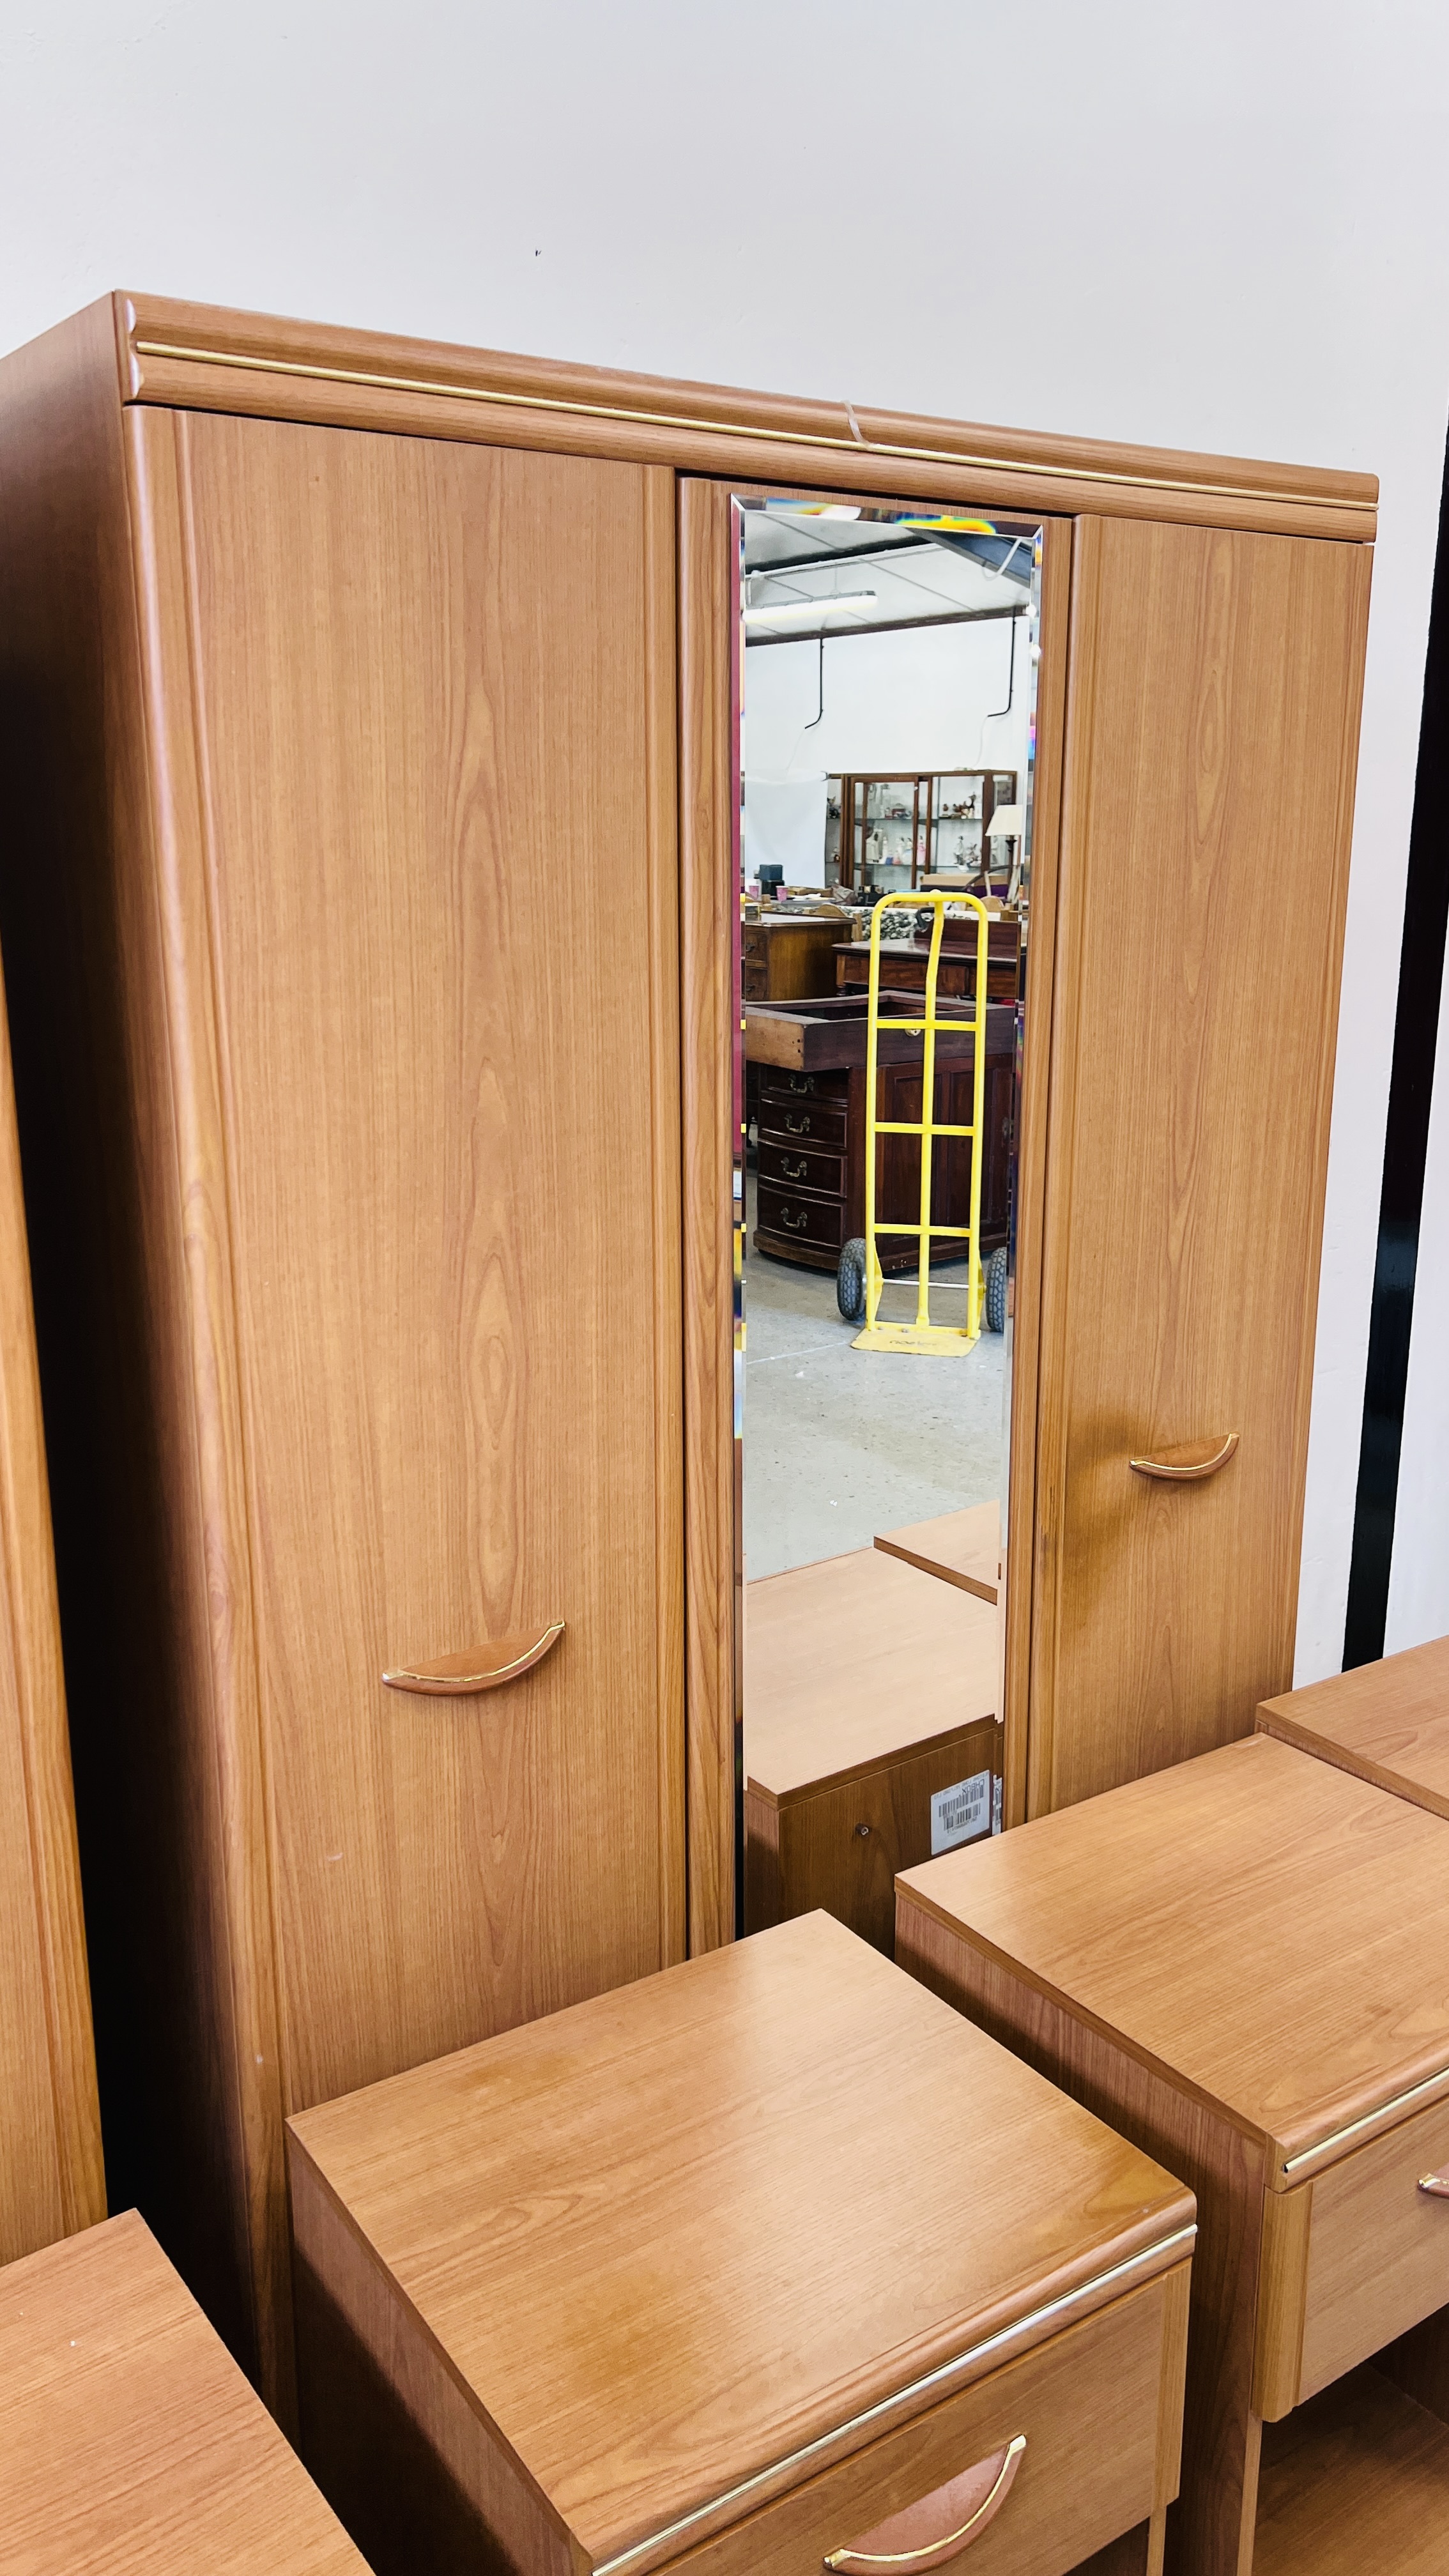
x: 841, y: 1443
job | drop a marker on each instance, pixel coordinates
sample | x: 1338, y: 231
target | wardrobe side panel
x: 434, y: 684
x: 1212, y: 744
x: 95, y: 1097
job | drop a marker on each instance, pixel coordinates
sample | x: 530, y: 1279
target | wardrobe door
x: 1211, y: 746
x: 434, y: 699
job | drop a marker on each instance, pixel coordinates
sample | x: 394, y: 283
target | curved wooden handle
x: 1436, y: 2185
x: 932, y: 2530
x: 1190, y: 1462
x: 480, y: 1668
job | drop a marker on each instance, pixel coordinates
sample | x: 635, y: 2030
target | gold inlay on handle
x: 477, y: 1668
x: 859, y: 2558
x: 1189, y: 1461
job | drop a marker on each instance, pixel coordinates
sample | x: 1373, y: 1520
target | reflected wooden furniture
x: 51, y: 2175
x: 725, y: 2269
x: 870, y: 1694
x: 129, y: 2439
x: 1244, y: 1964
x: 903, y: 964
x: 963, y: 1548
x: 784, y: 959
x: 1388, y: 1721
x: 810, y: 1108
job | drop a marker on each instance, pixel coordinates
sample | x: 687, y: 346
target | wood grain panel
x: 454, y: 1208
x: 196, y: 355
x: 1378, y: 2249
x: 1224, y: 2171
x: 1354, y: 2484
x: 1387, y: 1721
x: 1209, y: 793
x: 51, y: 2175
x: 129, y: 2441
x: 1282, y: 2287
x: 842, y: 1847
x: 709, y: 1010
x: 697, y: 2148
x: 1033, y: 1108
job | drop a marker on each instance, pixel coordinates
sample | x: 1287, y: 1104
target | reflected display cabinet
x: 381, y: 1192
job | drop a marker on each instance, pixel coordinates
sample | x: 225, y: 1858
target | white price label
x: 960, y: 1813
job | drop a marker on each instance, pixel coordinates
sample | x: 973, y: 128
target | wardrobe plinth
x: 1243, y: 1963
x: 728, y: 2269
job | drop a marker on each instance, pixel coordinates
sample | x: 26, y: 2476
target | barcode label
x: 960, y: 1813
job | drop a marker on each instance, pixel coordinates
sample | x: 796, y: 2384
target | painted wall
x: 1222, y: 228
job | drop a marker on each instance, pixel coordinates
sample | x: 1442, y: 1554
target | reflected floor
x: 840, y: 1443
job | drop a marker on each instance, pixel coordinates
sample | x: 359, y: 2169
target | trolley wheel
x: 850, y: 1280
x: 995, y: 1300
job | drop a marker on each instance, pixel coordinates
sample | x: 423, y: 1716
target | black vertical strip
x: 1411, y: 1089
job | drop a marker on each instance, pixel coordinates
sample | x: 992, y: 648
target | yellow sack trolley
x: 942, y: 1340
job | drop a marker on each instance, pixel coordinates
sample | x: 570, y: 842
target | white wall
x: 1216, y: 227
x: 922, y: 698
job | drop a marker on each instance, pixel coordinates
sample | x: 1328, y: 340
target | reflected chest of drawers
x: 130, y: 2444
x: 764, y: 2264
x: 1244, y: 1964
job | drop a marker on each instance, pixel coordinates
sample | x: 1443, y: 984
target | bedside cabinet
x: 765, y: 2264
x: 1388, y: 1721
x: 130, y: 2444
x: 1243, y: 1963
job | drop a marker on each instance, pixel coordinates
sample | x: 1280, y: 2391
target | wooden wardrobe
x: 51, y: 2176
x: 372, y: 919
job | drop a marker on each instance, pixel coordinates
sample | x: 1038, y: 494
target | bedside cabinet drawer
x: 1356, y: 2256
x: 1086, y: 2405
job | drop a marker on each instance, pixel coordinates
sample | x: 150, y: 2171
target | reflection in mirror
x: 886, y: 745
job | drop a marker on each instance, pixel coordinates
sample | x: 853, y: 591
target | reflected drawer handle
x: 795, y: 1171
x: 796, y: 1126
x: 1436, y: 2185
x: 929, y: 2532
x: 479, y: 1668
x: 798, y: 1223
x: 1188, y: 1464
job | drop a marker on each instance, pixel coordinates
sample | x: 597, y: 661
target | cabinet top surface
x: 1261, y: 1927
x: 670, y: 2236
x: 855, y: 1661
x: 1389, y: 1721
x: 129, y: 2439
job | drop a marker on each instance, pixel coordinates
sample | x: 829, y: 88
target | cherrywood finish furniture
x: 727, y: 2270
x: 51, y: 2175
x: 785, y: 960
x: 963, y: 1548
x: 129, y: 2440
x: 319, y: 647
x: 810, y: 1108
x: 1243, y: 1963
x: 1388, y: 1721
x: 870, y: 1690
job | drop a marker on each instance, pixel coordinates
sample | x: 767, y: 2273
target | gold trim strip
x: 367, y: 377
x: 1383, y: 2117
x: 1183, y: 2237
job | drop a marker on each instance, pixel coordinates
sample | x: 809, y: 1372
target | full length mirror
x: 886, y: 744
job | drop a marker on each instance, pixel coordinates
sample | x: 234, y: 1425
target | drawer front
x: 802, y: 1122
x: 756, y: 978
x: 796, y: 1167
x: 788, y: 1089
x: 1377, y: 2247
x: 1090, y: 2404
x: 798, y: 1218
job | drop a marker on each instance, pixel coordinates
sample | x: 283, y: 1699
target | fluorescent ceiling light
x: 783, y: 612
